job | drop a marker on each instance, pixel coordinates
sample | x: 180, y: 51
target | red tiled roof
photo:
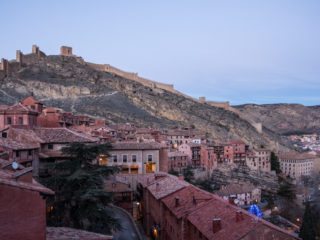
x: 293, y: 155
x: 8, y: 143
x: 64, y: 233
x: 9, y: 178
x: 136, y: 145
x: 62, y: 135
x: 150, y: 178
x: 166, y: 186
x: 19, y: 108
x: 235, y: 189
x: 190, y: 198
x: 230, y: 228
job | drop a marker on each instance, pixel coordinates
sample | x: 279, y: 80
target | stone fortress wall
x: 6, y: 67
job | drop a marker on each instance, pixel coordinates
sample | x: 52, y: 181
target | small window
x: 20, y: 120
x: 149, y: 158
x: 50, y: 146
x: 134, y: 158
x: 29, y: 152
x: 17, y: 154
x: 9, y: 120
x: 124, y: 158
x: 4, y: 135
x: 33, y: 107
x: 115, y: 158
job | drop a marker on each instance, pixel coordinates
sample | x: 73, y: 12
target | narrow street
x: 128, y: 232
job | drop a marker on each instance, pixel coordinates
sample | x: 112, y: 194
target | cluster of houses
x: 174, y: 209
x: 32, y: 135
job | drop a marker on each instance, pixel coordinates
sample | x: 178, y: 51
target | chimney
x: 157, y: 187
x: 181, y: 177
x: 216, y: 225
x: 177, y: 201
x: 239, y: 216
x: 194, y: 201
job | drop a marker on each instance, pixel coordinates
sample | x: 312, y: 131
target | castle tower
x: 202, y: 99
x: 66, y: 51
x: 19, y: 57
x: 4, y: 66
x: 35, y: 50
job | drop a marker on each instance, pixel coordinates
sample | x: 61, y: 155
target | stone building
x: 296, y: 165
x: 239, y: 151
x: 177, y: 161
x: 137, y: 158
x: 17, y: 114
x: 244, y: 193
x: 259, y: 159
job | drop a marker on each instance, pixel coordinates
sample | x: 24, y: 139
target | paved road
x: 128, y: 232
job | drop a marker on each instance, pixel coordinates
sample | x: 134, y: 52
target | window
x: 29, y: 152
x: 134, y: 158
x: 50, y: 146
x: 115, y: 158
x: 124, y: 158
x: 149, y: 158
x: 4, y: 135
x: 20, y: 120
x: 33, y: 107
x: 9, y: 121
x: 17, y: 154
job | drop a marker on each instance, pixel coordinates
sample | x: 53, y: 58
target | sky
x: 241, y: 51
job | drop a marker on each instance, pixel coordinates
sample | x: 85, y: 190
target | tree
x: 275, y: 164
x: 173, y: 172
x: 80, y: 198
x: 188, y: 174
x: 287, y: 191
x: 308, y: 227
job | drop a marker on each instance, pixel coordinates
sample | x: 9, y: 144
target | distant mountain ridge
x: 70, y: 83
x: 284, y: 118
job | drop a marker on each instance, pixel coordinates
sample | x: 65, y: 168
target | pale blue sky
x: 259, y: 51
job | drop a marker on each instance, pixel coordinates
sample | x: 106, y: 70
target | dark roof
x: 62, y: 135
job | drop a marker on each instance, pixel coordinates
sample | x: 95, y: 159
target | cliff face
x: 71, y: 84
x: 284, y: 118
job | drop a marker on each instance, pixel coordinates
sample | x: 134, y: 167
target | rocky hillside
x: 69, y: 83
x: 284, y: 118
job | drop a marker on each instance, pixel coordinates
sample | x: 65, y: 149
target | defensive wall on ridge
x: 6, y: 67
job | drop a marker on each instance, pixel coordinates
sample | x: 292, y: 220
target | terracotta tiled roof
x: 8, y: 143
x: 64, y: 233
x: 148, y: 179
x: 251, y: 226
x: 6, y: 164
x: 9, y: 178
x: 19, y: 108
x: 292, y: 155
x: 136, y: 145
x: 166, y: 186
x: 235, y: 189
x: 62, y: 135
x: 190, y: 198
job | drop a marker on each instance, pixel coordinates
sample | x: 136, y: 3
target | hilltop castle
x: 6, y: 67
